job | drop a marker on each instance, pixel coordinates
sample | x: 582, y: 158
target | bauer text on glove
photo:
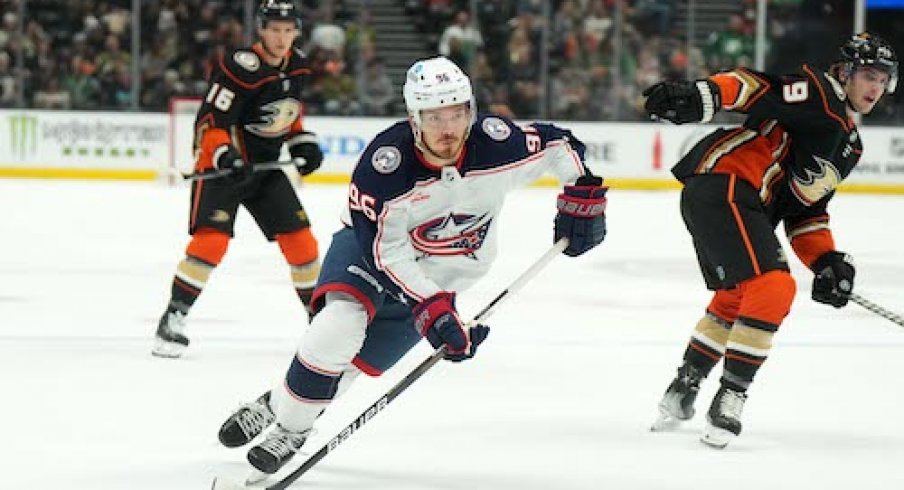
x: 582, y: 215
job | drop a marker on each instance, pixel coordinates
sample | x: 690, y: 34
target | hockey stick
x: 255, y: 167
x: 873, y: 307
x: 378, y: 406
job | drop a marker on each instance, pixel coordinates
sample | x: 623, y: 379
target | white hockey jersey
x: 425, y: 229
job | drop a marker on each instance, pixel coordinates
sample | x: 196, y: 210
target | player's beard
x: 447, y: 147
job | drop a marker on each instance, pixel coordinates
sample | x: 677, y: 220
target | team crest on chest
x: 247, y: 60
x: 454, y: 234
x: 496, y: 128
x: 276, y: 118
x: 386, y: 159
x: 815, y: 184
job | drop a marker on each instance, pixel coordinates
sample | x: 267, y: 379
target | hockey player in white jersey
x: 420, y: 225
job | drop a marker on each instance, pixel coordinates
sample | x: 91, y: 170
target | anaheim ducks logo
x: 816, y: 184
x: 219, y: 216
x: 276, y: 118
x: 455, y: 234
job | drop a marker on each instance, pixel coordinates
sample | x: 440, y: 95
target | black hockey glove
x: 834, y: 278
x: 437, y: 320
x: 305, y: 151
x: 582, y: 215
x: 226, y: 157
x: 682, y: 101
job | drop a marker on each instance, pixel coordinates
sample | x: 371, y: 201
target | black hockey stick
x: 255, y: 167
x: 873, y: 307
x: 378, y: 406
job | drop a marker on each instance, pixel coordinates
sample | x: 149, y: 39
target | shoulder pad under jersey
x: 496, y: 128
x: 389, y: 160
x: 243, y: 66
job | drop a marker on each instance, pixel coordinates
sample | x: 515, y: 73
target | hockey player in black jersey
x: 782, y: 164
x: 253, y: 106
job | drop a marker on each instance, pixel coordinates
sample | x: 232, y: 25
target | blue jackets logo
x: 455, y: 234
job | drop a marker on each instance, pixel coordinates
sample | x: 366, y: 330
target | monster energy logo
x: 23, y: 135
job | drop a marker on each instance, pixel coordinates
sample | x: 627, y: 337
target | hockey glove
x: 582, y: 215
x: 437, y: 320
x: 226, y: 157
x: 305, y: 151
x: 834, y: 278
x: 683, y: 101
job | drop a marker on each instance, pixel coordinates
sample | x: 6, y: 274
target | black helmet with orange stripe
x: 869, y: 50
x: 277, y: 10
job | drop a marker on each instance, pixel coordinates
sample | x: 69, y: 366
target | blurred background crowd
x: 550, y: 59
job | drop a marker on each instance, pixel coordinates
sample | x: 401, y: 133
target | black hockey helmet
x: 277, y: 10
x: 872, y: 51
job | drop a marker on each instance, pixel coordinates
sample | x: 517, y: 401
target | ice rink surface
x: 561, y: 395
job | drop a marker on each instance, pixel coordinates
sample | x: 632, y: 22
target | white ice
x: 560, y: 397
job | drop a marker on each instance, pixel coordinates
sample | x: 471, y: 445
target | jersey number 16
x: 221, y: 97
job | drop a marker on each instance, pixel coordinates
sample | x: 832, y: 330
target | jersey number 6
x: 795, y: 92
x: 358, y: 201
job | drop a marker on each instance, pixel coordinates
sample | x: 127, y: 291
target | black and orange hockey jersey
x: 251, y: 105
x: 795, y: 146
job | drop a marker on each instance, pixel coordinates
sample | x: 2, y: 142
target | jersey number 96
x: 358, y: 201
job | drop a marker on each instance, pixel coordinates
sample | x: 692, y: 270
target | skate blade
x: 665, y: 423
x: 226, y: 484
x: 715, y: 437
x: 255, y: 477
x: 167, y: 350
x: 667, y: 420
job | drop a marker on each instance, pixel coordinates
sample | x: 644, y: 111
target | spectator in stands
x: 572, y: 98
x: 460, y: 41
x: 81, y: 84
x: 52, y: 95
x: 112, y: 56
x: 8, y: 27
x: 376, y: 91
x: 655, y: 16
x: 524, y: 75
x: 360, y: 38
x: 338, y: 91
x: 7, y: 82
x: 730, y: 47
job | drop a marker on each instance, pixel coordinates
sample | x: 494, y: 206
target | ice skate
x: 677, y: 404
x: 170, y: 341
x: 247, y: 422
x: 723, y: 421
x: 276, y: 450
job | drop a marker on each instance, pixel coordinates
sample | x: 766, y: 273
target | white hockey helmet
x: 434, y: 83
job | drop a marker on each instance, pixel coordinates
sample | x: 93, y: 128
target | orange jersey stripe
x: 732, y: 181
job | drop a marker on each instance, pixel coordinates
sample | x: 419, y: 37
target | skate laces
x: 689, y: 377
x: 282, y: 442
x: 731, y: 403
x: 175, y: 322
x: 255, y: 418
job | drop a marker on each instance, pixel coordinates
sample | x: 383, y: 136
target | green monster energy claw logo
x: 23, y: 135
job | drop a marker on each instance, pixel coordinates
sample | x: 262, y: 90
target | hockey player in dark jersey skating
x: 782, y: 164
x: 253, y: 106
